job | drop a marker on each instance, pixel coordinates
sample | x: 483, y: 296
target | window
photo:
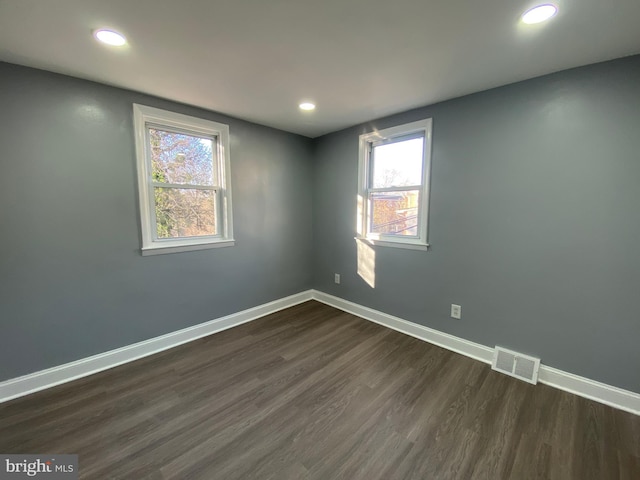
x: 183, y: 181
x: 393, y: 178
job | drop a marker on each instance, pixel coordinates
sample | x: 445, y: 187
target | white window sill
x: 399, y: 244
x: 186, y: 247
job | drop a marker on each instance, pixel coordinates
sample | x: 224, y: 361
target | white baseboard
x: 591, y: 389
x: 584, y: 387
x: 444, y: 340
x: 33, y: 382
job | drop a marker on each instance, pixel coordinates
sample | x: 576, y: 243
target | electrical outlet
x: 336, y: 278
x: 456, y: 311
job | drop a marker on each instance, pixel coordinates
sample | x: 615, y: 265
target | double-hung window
x: 183, y: 181
x: 393, y: 198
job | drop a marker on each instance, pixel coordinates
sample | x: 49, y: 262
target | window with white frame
x: 393, y: 197
x: 183, y: 181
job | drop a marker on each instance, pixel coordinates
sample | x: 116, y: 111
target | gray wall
x: 72, y: 281
x: 534, y: 221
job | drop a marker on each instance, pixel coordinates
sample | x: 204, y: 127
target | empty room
x: 349, y: 239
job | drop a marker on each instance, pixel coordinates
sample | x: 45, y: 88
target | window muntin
x: 394, y: 179
x: 183, y: 167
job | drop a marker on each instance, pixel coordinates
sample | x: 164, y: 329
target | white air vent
x: 516, y: 365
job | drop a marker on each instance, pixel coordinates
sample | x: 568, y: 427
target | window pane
x: 398, y: 164
x: 180, y: 158
x: 395, y: 213
x: 184, y: 212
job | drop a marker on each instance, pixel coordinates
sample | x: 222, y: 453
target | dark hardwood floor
x: 315, y: 393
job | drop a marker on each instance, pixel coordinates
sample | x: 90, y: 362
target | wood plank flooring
x: 315, y: 393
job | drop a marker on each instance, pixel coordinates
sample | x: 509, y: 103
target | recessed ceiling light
x: 110, y: 37
x: 539, y: 14
x: 307, y: 106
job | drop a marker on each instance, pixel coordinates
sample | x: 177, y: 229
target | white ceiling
x: 358, y: 59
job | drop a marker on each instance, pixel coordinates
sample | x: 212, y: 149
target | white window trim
x: 364, y: 172
x: 151, y: 245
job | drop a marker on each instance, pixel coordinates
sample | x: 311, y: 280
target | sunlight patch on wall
x: 360, y: 216
x: 366, y: 263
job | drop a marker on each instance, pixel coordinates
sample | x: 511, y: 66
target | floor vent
x: 516, y: 365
